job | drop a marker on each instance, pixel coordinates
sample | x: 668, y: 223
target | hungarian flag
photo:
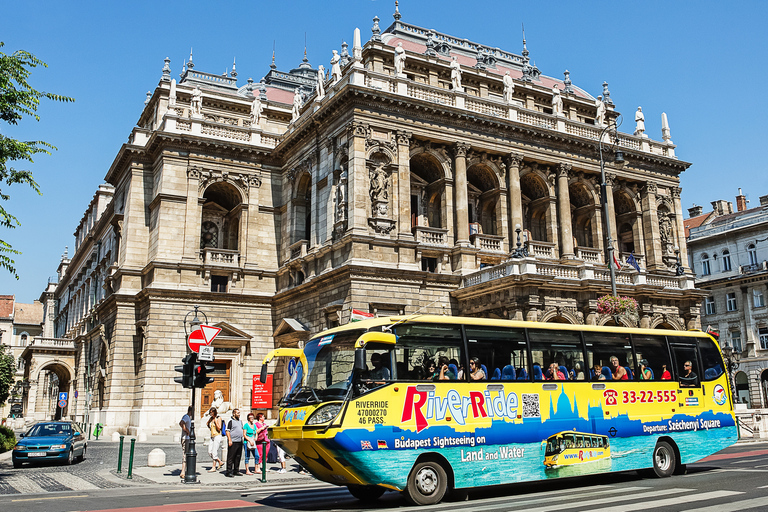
x: 358, y: 315
x: 616, y: 264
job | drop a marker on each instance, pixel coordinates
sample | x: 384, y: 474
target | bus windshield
x: 330, y: 366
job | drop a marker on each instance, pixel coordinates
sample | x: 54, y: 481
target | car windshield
x: 49, y: 429
x: 330, y: 365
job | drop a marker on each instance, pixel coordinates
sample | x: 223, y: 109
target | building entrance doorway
x: 220, y: 383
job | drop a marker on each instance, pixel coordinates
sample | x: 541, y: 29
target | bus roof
x: 497, y: 322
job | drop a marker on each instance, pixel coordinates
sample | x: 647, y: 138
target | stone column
x: 609, y: 178
x: 651, y: 227
x: 460, y: 191
x: 564, y: 211
x: 514, y: 161
x: 404, y: 185
x: 680, y: 227
x: 357, y: 185
x: 192, y: 216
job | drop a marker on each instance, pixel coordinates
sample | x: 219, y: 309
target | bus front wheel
x: 427, y: 483
x: 366, y: 492
x: 664, y: 459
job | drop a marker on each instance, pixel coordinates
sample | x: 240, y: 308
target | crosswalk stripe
x: 634, y: 505
x: 734, y: 506
x: 73, y: 482
x: 23, y: 484
x: 274, y: 489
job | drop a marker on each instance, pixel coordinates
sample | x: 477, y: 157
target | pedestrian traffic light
x: 201, y: 377
x: 186, y: 369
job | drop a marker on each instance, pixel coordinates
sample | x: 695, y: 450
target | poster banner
x: 261, y: 397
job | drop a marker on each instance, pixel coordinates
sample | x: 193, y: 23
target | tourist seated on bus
x: 432, y: 373
x: 597, y: 373
x: 665, y: 375
x: 645, y: 372
x: 554, y: 372
x: 475, y: 371
x: 446, y: 372
x: 578, y: 374
x: 379, y: 371
x: 688, y: 379
x: 617, y: 371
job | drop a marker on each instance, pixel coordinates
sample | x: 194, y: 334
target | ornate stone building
x: 392, y: 186
x: 728, y: 253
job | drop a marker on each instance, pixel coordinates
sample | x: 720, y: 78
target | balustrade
x: 430, y: 236
x: 220, y: 257
x: 589, y: 254
x: 541, y: 249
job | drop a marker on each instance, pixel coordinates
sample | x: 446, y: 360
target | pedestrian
x: 215, y: 424
x: 280, y: 458
x: 235, y: 444
x: 261, y: 437
x: 186, y: 428
x: 249, y: 443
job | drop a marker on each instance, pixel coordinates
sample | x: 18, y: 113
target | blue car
x: 60, y: 441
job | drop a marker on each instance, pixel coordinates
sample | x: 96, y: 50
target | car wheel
x: 82, y: 455
x: 427, y: 483
x: 664, y: 459
x: 70, y: 457
x: 16, y: 464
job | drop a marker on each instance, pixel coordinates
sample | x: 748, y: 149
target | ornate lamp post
x: 190, y: 476
x: 520, y: 252
x: 618, y: 159
x: 732, y: 363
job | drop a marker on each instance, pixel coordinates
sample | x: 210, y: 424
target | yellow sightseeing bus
x: 429, y: 404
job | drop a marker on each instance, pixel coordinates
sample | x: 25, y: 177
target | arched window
x: 725, y: 262
x: 752, y: 251
x: 23, y: 339
x: 221, y: 217
x: 705, y: 268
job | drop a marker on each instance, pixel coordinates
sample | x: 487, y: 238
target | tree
x: 7, y: 371
x: 17, y: 100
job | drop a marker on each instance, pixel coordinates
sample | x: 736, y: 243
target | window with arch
x: 23, y: 339
x: 725, y: 262
x: 222, y: 209
x: 705, y: 267
x: 752, y: 251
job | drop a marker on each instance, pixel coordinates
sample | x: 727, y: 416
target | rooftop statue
x: 335, y: 67
x: 320, y: 87
x: 297, y: 102
x: 399, y: 60
x: 557, y: 101
x: 600, y: 116
x: 640, y: 120
x: 509, y: 88
x: 456, y: 76
x: 196, y: 104
x: 256, y: 110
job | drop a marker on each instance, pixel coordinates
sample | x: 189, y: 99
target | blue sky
x: 703, y: 63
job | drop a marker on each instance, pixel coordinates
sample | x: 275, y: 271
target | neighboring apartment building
x: 20, y: 326
x: 728, y: 251
x: 395, y: 187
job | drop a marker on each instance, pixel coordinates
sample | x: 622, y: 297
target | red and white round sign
x: 202, y: 337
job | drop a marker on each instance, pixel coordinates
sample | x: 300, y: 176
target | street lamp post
x: 190, y: 476
x: 520, y: 252
x: 732, y: 363
x: 618, y: 159
x: 679, y: 269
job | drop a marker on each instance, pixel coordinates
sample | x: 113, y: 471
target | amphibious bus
x: 425, y: 405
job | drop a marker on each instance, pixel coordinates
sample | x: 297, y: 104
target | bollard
x: 130, y: 459
x: 89, y: 431
x: 263, y: 461
x: 120, y: 456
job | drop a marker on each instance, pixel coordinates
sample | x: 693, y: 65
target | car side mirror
x: 360, y: 359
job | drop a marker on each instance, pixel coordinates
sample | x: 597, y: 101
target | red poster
x: 261, y: 398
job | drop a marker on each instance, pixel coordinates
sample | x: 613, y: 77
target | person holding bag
x: 215, y: 423
x: 249, y: 444
x: 261, y: 436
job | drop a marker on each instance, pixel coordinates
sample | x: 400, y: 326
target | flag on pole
x: 632, y: 261
x: 358, y: 315
x: 616, y: 264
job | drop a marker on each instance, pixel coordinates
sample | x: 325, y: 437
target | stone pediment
x: 232, y: 336
x: 290, y: 333
x: 212, y: 206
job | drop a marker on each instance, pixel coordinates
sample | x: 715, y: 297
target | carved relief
x: 651, y: 188
x: 460, y: 149
x: 563, y: 170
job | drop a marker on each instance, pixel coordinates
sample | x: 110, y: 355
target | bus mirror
x: 360, y: 359
x: 263, y: 376
x: 385, y: 338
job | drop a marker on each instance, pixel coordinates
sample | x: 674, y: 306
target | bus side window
x: 654, y: 351
x: 421, y: 345
x: 561, y: 348
x: 710, y: 356
x: 685, y: 351
x: 602, y: 346
x: 501, y: 350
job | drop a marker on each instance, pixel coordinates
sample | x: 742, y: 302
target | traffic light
x: 186, y: 369
x: 201, y: 377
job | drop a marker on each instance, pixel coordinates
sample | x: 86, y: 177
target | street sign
x: 62, y: 403
x: 291, y: 366
x: 205, y: 353
x: 75, y: 394
x: 63, y: 396
x: 261, y: 397
x: 202, y: 337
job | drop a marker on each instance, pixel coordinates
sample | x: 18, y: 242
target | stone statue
x: 341, y: 197
x: 297, y: 102
x: 456, y: 76
x: 379, y: 191
x: 256, y: 110
x: 600, y: 116
x: 196, y: 104
x: 640, y: 120
x: 172, y: 94
x: 335, y: 67
x: 557, y: 101
x: 665, y: 231
x: 399, y: 60
x: 320, y: 87
x: 509, y: 88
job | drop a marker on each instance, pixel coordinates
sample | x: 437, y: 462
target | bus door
x: 688, y: 372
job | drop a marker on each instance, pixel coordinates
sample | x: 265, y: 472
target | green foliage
x: 7, y: 370
x: 17, y: 100
x: 7, y: 439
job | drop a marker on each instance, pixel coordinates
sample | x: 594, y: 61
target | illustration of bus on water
x: 428, y: 404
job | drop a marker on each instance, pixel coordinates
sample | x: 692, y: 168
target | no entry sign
x: 202, y: 337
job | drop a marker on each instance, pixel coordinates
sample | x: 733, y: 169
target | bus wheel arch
x: 429, y: 479
x: 666, y: 458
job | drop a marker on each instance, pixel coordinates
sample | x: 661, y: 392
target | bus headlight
x: 324, y: 414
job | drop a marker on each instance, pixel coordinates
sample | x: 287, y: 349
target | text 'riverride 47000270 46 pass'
x: 427, y: 404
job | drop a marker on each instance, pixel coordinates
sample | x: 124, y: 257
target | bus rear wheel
x: 427, y: 483
x: 664, y: 459
x: 366, y: 492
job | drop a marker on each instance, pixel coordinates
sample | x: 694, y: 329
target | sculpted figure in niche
x: 196, y: 104
x: 509, y: 88
x: 335, y: 67
x: 665, y: 231
x: 320, y: 88
x: 399, y: 60
x: 341, y: 197
x: 256, y: 110
x: 557, y: 101
x: 379, y: 191
x: 600, y: 117
x: 296, y: 104
x: 456, y: 75
x: 640, y: 120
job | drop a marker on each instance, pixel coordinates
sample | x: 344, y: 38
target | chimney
x: 763, y: 200
x: 695, y: 211
x: 741, y: 201
x: 722, y: 207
